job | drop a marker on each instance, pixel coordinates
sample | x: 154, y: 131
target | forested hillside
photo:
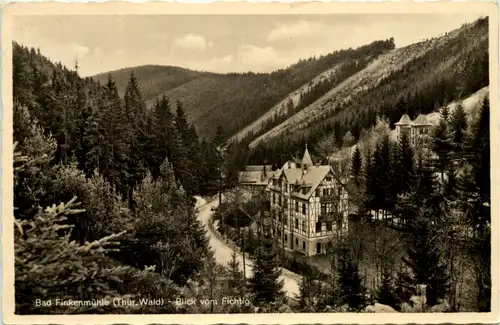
x: 216, y: 99
x: 154, y: 79
x: 103, y: 192
x: 415, y: 79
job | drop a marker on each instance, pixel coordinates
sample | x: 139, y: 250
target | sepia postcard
x: 258, y: 163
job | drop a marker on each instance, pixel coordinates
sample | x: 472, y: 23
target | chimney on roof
x: 289, y: 165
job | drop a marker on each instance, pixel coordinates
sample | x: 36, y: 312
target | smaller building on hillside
x: 417, y: 131
x: 255, y: 178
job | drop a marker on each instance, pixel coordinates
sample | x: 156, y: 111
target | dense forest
x: 242, y: 98
x: 93, y: 171
x: 421, y: 86
x: 438, y: 192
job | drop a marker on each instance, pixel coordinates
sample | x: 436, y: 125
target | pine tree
x: 305, y: 297
x: 50, y: 266
x: 265, y: 283
x: 168, y: 232
x: 210, y: 169
x: 135, y: 115
x: 382, y: 176
x: 352, y: 291
x: 163, y: 125
x: 424, y: 258
x: 405, y: 171
x: 442, y: 146
x: 32, y: 182
x: 356, y: 164
x: 187, y: 154
x: 235, y: 274
x: 458, y: 122
x: 370, y: 185
x: 423, y: 209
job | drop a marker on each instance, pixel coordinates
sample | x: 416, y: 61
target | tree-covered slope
x: 235, y: 100
x: 415, y: 79
x: 154, y: 79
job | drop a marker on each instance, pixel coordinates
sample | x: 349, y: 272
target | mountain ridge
x: 417, y: 78
x: 212, y: 99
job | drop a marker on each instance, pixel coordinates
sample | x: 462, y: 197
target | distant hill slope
x: 415, y: 79
x: 154, y: 79
x: 235, y: 100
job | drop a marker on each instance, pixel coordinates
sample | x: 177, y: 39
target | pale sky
x: 220, y: 43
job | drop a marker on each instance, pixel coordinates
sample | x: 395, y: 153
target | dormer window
x: 328, y: 178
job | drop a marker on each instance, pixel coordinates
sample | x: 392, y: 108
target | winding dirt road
x: 223, y: 252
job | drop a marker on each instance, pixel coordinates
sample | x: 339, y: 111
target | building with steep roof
x: 417, y: 130
x: 404, y: 125
x: 255, y: 178
x: 308, y: 205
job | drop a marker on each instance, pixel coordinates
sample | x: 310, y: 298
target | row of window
x: 318, y: 228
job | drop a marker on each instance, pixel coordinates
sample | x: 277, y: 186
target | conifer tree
x: 235, y: 283
x: 442, y: 146
x: 168, y: 233
x: 135, y: 115
x: 306, y: 292
x: 458, y: 123
x: 187, y: 160
x: 422, y: 206
x: 32, y: 184
x: 382, y: 176
x: 350, y: 284
x: 405, y: 174
x: 370, y: 185
x: 356, y: 165
x: 163, y: 124
x: 49, y: 266
x: 265, y: 283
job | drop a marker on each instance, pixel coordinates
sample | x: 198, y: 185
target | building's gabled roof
x: 254, y: 177
x: 314, y: 176
x: 405, y: 120
x: 309, y: 178
x: 421, y: 120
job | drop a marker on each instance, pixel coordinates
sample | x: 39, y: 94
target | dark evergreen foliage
x: 350, y: 284
x: 265, y: 284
